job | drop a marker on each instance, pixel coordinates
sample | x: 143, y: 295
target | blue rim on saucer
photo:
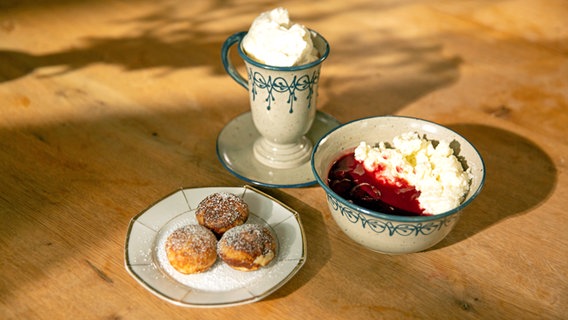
x: 234, y: 151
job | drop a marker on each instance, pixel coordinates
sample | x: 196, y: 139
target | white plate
x: 235, y: 151
x: 220, y: 286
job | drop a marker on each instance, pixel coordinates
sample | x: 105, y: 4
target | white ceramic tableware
x: 283, y: 103
x: 379, y: 231
x: 221, y: 286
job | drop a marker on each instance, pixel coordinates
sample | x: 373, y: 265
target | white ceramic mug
x: 282, y: 101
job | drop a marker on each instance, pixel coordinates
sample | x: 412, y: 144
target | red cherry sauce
x: 349, y: 179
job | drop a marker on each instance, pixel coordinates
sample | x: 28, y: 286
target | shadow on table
x: 158, y: 39
x: 318, y: 247
x: 80, y: 174
x: 519, y: 176
x: 390, y: 75
x: 74, y: 178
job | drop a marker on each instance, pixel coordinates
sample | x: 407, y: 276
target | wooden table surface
x: 107, y: 106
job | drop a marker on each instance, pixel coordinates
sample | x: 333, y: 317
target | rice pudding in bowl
x: 397, y: 184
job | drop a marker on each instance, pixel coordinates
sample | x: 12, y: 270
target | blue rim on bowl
x: 322, y: 180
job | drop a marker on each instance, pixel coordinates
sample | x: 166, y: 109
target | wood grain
x: 107, y: 106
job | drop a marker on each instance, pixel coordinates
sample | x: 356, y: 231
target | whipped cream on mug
x: 276, y: 41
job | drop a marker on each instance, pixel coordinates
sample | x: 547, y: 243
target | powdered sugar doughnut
x: 247, y: 247
x: 222, y: 211
x: 191, y: 249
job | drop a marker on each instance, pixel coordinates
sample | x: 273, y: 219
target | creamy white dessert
x: 433, y: 170
x: 275, y: 40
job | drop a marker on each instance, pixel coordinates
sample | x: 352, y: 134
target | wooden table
x: 107, y: 106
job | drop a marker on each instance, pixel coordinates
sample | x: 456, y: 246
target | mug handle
x: 229, y: 67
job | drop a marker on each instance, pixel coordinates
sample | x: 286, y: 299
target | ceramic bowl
x: 379, y: 231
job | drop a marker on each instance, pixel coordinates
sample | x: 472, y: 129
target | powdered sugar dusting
x: 146, y: 257
x: 220, y: 277
x: 252, y: 238
x: 195, y: 237
x: 222, y: 210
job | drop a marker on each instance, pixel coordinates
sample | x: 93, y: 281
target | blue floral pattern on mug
x: 380, y: 226
x: 280, y: 85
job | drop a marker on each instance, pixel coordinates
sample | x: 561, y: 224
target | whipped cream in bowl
x: 428, y: 166
x: 397, y: 184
